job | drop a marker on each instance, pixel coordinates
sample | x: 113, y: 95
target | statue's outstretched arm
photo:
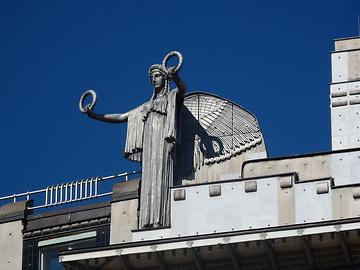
x: 109, y: 118
x: 180, y: 85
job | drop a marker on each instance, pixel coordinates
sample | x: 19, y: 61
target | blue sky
x: 271, y: 57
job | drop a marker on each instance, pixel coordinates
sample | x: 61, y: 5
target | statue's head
x: 158, y: 77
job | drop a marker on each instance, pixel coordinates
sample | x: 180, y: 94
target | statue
x: 151, y: 139
x: 181, y: 139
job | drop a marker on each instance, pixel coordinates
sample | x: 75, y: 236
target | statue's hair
x: 158, y: 67
x: 163, y: 71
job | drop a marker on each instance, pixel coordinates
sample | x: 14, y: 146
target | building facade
x: 295, y: 212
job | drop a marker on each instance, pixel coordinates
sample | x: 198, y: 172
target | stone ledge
x: 126, y: 190
x: 14, y: 211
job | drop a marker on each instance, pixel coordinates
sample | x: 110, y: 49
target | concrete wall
x: 123, y: 219
x: 343, y: 166
x: 347, y: 44
x: 307, y: 167
x: 11, y: 237
x: 11, y: 245
x: 245, y: 205
x: 124, y: 211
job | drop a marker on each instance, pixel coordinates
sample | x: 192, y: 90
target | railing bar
x: 104, y: 194
x: 81, y: 189
x: 46, y: 196
x: 51, y: 195
x: 71, y: 191
x: 56, y: 194
x: 37, y: 191
x: 86, y: 185
x: 7, y: 197
x: 61, y: 192
x: 119, y: 175
x: 90, y: 188
x: 76, y: 188
x: 66, y: 192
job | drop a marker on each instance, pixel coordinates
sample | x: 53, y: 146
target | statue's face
x: 158, y: 80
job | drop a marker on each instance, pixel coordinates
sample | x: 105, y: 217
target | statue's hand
x: 88, y: 111
x: 172, y: 73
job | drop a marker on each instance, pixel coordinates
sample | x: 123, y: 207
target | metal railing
x: 68, y: 192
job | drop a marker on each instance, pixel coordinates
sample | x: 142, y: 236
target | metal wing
x: 220, y: 128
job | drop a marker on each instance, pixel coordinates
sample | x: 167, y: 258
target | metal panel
x: 339, y: 124
x: 306, y: 198
x: 339, y: 63
x: 345, y: 168
x: 233, y: 210
x: 354, y: 65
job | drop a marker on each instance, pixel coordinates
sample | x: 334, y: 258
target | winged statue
x: 215, y: 132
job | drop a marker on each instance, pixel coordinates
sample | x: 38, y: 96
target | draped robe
x: 151, y: 139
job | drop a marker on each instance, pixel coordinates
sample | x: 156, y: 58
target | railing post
x: 61, y: 193
x: 56, y: 194
x: 86, y: 187
x: 66, y: 192
x: 81, y: 189
x: 91, y: 184
x: 96, y: 185
x: 46, y: 196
